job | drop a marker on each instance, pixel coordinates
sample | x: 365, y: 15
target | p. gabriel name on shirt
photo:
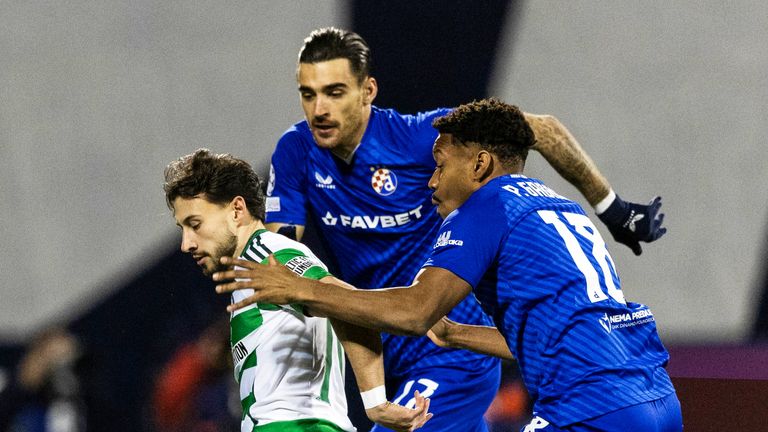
x: 371, y: 222
x: 445, y: 239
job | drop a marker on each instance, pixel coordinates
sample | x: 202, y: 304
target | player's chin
x: 437, y: 205
x: 210, y: 268
x: 324, y: 140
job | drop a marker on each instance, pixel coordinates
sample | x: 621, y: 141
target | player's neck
x: 346, y: 152
x: 499, y: 169
x: 244, y: 233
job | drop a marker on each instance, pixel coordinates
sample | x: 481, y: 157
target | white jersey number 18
x: 582, y: 226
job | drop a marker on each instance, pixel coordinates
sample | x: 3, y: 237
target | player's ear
x: 370, y: 90
x: 483, y: 165
x: 238, y: 207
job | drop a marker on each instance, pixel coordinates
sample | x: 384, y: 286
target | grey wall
x: 95, y: 99
x: 670, y: 99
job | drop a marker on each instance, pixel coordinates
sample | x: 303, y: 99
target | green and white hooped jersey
x: 290, y: 367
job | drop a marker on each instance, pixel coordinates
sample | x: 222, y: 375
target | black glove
x: 631, y: 223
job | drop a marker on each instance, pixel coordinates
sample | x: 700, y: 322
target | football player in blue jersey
x: 590, y: 359
x: 361, y: 173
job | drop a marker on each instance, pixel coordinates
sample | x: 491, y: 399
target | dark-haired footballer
x: 538, y: 266
x: 360, y: 172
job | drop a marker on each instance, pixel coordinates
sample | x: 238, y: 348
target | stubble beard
x: 225, y: 248
x: 346, y: 139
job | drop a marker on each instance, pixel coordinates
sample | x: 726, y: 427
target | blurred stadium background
x: 97, y: 97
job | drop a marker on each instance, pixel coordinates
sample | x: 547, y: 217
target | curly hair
x: 219, y: 178
x: 494, y: 125
x: 331, y: 43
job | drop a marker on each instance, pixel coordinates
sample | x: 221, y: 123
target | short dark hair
x: 494, y: 125
x: 330, y: 43
x: 218, y: 178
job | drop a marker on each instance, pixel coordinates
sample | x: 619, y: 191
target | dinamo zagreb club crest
x: 384, y: 181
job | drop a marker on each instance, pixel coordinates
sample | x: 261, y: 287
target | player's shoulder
x: 514, y: 196
x: 422, y: 118
x: 526, y: 197
x: 294, y: 255
x: 408, y: 136
x: 298, y: 135
x: 277, y: 243
x: 300, y: 127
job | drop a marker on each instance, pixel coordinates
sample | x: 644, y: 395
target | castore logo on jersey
x: 324, y: 182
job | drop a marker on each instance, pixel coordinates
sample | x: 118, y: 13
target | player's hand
x: 631, y: 223
x: 440, y: 332
x: 273, y: 283
x: 400, y: 418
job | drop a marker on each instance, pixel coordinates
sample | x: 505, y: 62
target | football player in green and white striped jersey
x: 289, y: 364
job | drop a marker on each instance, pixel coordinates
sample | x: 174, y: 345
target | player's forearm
x: 480, y: 339
x: 292, y: 231
x: 567, y: 157
x: 364, y: 350
x: 393, y: 310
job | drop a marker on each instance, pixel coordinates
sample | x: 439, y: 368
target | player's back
x: 582, y: 348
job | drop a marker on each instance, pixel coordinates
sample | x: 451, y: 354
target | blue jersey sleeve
x: 468, y: 241
x: 286, y: 197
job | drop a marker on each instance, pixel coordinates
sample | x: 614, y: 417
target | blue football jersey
x: 541, y: 269
x: 375, y: 212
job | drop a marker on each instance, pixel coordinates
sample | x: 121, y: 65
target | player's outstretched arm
x: 555, y: 142
x: 480, y: 339
x: 629, y: 223
x: 409, y: 310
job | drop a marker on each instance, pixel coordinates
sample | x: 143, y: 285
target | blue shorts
x: 458, y: 398
x: 660, y: 415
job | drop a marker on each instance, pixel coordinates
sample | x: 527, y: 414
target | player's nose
x: 432, y: 183
x: 187, y: 243
x: 320, y: 107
